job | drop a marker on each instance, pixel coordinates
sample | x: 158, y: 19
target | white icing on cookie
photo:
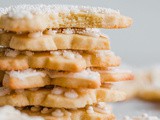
x: 71, y: 94
x: 90, y: 109
x: 102, y: 108
x: 69, y: 55
x: 56, y: 53
x: 86, y: 74
x: 104, y: 52
x: 58, y: 113
x: 91, y: 32
x: 10, y: 113
x: 26, y: 73
x: 101, y: 104
x: 86, y: 31
x: 66, y: 54
x: 58, y: 90
x: 35, y: 34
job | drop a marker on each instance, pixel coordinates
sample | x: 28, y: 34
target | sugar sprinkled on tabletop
x: 141, y: 117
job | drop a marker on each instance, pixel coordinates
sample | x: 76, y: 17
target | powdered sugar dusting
x: 89, y: 109
x: 86, y: 74
x: 71, y: 94
x: 26, y: 73
x: 20, y: 14
x: 10, y: 113
x: 58, y: 113
x: 86, y: 31
x: 92, y: 32
x: 68, y: 31
x: 66, y: 54
x: 22, y: 11
x: 58, y: 90
x: 35, y: 34
x: 142, y: 117
x: 117, y: 70
x: 104, y: 52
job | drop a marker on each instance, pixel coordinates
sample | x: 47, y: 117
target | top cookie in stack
x: 54, y: 62
x: 27, y: 18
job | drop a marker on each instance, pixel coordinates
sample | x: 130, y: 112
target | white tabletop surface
x: 135, y: 107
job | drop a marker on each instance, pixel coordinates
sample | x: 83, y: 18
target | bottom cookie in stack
x: 98, y: 111
x: 63, y: 95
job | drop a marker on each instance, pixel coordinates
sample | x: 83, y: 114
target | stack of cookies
x: 55, y: 64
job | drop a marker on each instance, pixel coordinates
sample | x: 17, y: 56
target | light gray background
x: 134, y: 108
x: 138, y: 45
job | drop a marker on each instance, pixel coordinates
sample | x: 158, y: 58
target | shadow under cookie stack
x: 55, y: 64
